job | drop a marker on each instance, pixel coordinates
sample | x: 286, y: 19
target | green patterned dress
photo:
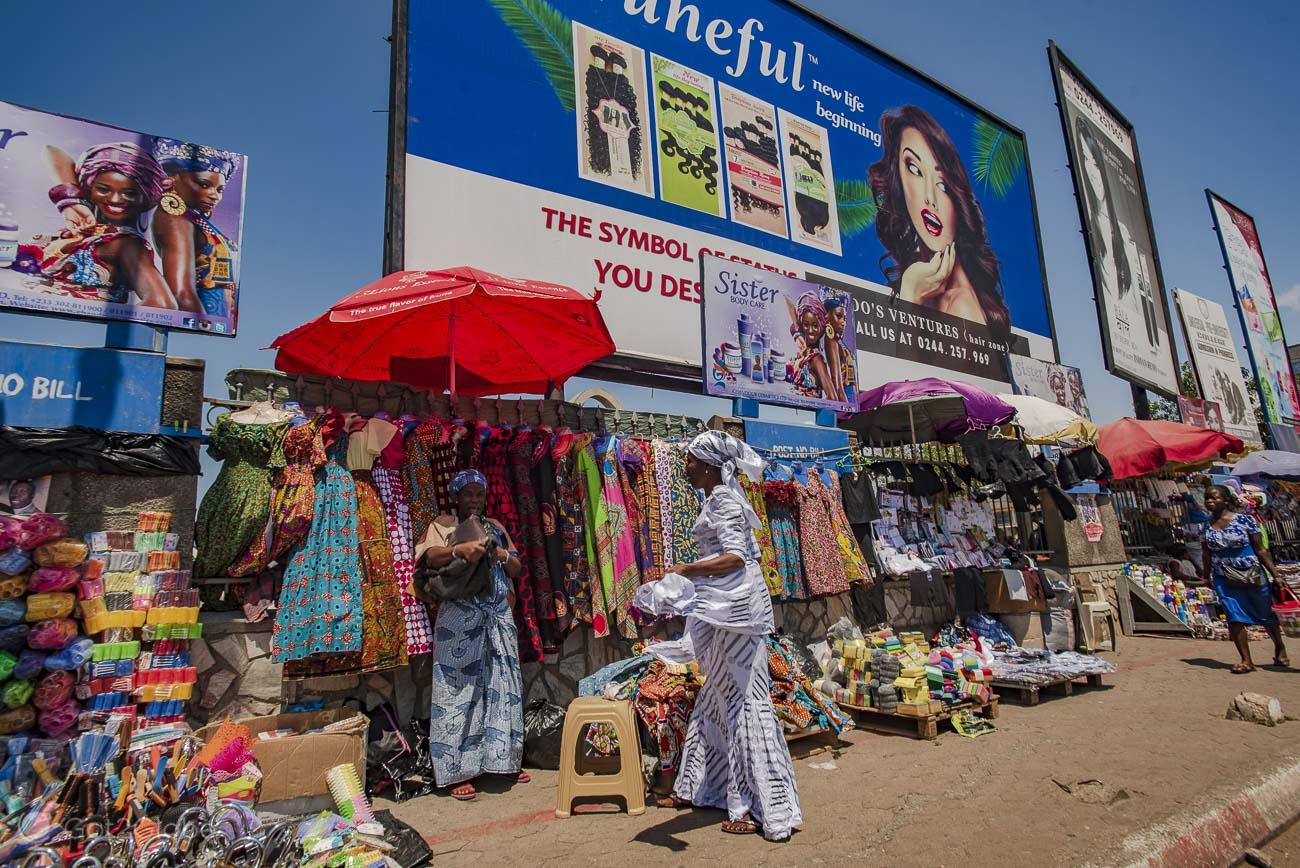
x: 235, y: 509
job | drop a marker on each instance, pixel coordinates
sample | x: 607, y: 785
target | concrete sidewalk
x: 1178, y: 785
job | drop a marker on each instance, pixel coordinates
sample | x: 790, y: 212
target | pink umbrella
x: 919, y: 411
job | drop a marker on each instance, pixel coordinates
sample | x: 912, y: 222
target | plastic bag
x: 28, y: 452
x: 10, y: 528
x: 796, y: 646
x: 14, y: 560
x: 30, y: 663
x: 61, y: 553
x: 41, y: 528
x: 51, y: 635
x: 13, y: 638
x: 43, y: 607
x: 48, y: 580
x: 543, y: 728
x: 843, y: 629
x: 12, y: 612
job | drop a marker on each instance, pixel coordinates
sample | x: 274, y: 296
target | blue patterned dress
x: 320, y: 603
x: 1243, y: 604
x: 476, y: 719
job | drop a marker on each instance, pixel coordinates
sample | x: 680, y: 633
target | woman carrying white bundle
x: 735, y: 756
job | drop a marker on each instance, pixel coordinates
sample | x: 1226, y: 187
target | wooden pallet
x: 1028, y: 694
x: 811, y: 741
x: 924, y: 726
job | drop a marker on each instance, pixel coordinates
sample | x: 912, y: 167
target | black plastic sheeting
x: 28, y: 452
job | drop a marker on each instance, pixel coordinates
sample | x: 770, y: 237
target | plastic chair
x: 627, y: 782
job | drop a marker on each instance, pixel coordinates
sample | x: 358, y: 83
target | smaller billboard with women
x: 1136, y: 334
x: 776, y: 339
x: 1244, y: 258
x: 104, y: 223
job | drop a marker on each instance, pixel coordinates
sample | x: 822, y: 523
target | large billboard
x: 609, y: 145
x: 1244, y: 258
x: 1136, y: 335
x: 1215, y: 363
x: 1060, y: 384
x: 777, y: 339
x: 104, y: 223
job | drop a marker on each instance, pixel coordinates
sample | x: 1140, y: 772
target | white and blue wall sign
x: 52, y: 387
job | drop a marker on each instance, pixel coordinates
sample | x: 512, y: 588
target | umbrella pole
x: 451, y: 346
x: 911, y: 422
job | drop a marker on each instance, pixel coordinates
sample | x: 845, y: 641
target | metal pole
x: 395, y: 198
x: 451, y: 351
x: 1141, y: 403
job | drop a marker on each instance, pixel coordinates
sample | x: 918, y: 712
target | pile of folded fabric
x: 1034, y: 666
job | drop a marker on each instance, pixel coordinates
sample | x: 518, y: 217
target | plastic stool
x: 627, y: 782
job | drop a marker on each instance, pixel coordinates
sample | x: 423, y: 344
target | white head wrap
x: 731, y: 454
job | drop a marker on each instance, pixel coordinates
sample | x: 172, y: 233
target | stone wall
x: 237, y: 677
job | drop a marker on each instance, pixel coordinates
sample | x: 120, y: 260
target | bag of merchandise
x: 13, y: 638
x: 843, y: 629
x: 54, y: 690
x: 30, y: 663
x: 59, y: 719
x: 543, y: 729
x: 13, y: 587
x: 40, y: 529
x: 14, y: 560
x: 12, y: 612
x: 48, y: 580
x: 18, y: 720
x: 8, y: 662
x: 10, y: 529
x: 61, y: 553
x: 17, y: 692
x: 51, y: 635
x: 43, y: 607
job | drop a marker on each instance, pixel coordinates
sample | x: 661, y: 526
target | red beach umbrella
x: 1136, y: 447
x: 468, y: 331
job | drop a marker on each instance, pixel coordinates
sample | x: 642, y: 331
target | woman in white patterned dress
x: 735, y: 756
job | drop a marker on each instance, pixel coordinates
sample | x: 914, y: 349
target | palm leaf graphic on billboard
x: 548, y: 34
x: 997, y: 158
x: 856, y: 206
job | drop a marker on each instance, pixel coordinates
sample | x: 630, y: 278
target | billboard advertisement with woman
x: 752, y: 131
x: 104, y: 223
x: 1136, y: 334
x: 1244, y: 259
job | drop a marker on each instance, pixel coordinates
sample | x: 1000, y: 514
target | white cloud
x: 1289, y: 297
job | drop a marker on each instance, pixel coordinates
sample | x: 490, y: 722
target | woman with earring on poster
x: 815, y: 373
x: 937, y: 252
x: 105, y: 198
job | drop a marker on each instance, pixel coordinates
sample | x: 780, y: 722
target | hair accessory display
x: 348, y: 794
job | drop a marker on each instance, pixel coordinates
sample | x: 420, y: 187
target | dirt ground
x: 1284, y: 850
x: 1156, y: 740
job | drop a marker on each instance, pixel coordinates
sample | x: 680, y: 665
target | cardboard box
x: 294, y: 767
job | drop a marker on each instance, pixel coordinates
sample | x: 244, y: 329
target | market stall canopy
x: 1272, y: 463
x: 1136, y: 447
x: 467, y: 331
x: 920, y: 411
x: 1049, y: 423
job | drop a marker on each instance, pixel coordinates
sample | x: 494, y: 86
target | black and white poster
x: 1216, y: 365
x: 1131, y: 303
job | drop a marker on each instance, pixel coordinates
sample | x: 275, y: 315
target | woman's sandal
x: 741, y: 827
x: 522, y: 778
x: 464, y: 793
x: 1283, y: 662
x: 1242, y: 668
x: 671, y: 801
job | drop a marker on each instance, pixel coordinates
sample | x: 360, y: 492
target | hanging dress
x: 429, y: 464
x: 782, y: 500
x: 391, y: 484
x: 638, y: 465
x: 236, y: 508
x: 763, y: 534
x: 599, y: 542
x: 682, y: 503
x: 476, y: 720
x: 534, y: 596
x: 855, y: 565
x: 293, y: 501
x: 822, y: 565
x: 320, y: 601
x: 627, y: 575
x: 571, y: 507
x: 547, y: 487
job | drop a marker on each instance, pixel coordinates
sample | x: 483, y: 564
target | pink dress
x: 823, y: 565
x: 391, y: 483
x: 627, y: 574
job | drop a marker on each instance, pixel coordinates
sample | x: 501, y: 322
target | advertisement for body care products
x: 777, y: 339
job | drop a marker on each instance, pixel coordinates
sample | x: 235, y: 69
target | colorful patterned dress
x: 627, y: 575
x: 236, y: 508
x: 766, y: 549
x: 429, y: 465
x: 639, y: 468
x: 476, y: 717
x: 599, y: 542
x: 682, y: 503
x: 782, y: 505
x: 822, y: 565
x: 293, y: 501
x: 494, y: 462
x: 391, y: 485
x: 320, y: 602
x: 534, y: 595
x: 571, y: 505
x: 548, y: 505
x: 855, y: 565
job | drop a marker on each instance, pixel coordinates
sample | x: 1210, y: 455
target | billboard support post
x: 136, y: 336
x: 1141, y: 402
x: 394, y: 206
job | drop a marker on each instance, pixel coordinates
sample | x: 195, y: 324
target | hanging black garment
x: 1065, y: 474
x: 869, y: 605
x: 543, y: 473
x: 968, y: 587
x: 1088, y: 463
x: 925, y: 481
x: 859, y: 497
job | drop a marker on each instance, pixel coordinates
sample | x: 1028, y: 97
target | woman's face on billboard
x: 1093, y: 172
x: 929, y: 204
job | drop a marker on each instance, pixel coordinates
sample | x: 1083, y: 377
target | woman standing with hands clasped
x: 1236, y: 562
x: 476, y: 720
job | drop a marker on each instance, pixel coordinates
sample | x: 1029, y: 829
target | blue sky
x: 1208, y: 88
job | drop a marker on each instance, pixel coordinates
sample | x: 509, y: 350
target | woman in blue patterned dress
x: 1236, y: 562
x: 476, y: 719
